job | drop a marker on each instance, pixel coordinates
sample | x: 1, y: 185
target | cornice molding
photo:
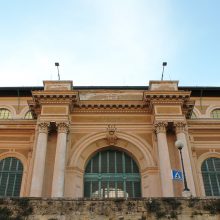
x: 111, y: 107
x: 51, y: 97
x: 150, y: 98
x: 182, y: 98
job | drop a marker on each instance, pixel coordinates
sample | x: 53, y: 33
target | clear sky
x: 109, y: 42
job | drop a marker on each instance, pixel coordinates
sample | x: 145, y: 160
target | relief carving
x: 160, y: 126
x: 180, y: 126
x: 111, y: 136
x: 63, y: 127
x: 43, y: 127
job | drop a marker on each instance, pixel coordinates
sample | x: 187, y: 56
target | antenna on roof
x: 164, y: 64
x: 57, y: 65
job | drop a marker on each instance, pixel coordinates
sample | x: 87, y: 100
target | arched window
x: 28, y: 115
x: 112, y: 174
x: 5, y: 113
x: 211, y: 176
x: 215, y: 113
x: 11, y: 170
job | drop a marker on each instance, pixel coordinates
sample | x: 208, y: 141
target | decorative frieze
x: 160, y: 126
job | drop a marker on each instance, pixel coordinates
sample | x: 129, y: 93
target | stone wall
x: 109, y: 209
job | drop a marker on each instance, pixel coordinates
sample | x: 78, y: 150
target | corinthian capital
x: 160, y: 126
x: 63, y: 127
x: 180, y: 126
x: 43, y: 127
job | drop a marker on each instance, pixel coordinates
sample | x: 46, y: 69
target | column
x: 39, y: 161
x: 180, y: 128
x: 164, y: 160
x: 60, y: 160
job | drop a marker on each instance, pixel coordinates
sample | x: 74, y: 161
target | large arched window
x: 5, y: 113
x: 211, y: 176
x: 11, y: 170
x: 215, y: 113
x: 112, y: 174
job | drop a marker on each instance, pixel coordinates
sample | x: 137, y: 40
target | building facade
x: 102, y: 142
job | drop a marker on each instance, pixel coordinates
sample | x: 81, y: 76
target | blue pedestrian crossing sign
x: 177, y: 175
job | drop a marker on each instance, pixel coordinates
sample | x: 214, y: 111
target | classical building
x: 66, y: 141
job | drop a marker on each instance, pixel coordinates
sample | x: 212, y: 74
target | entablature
x: 168, y: 98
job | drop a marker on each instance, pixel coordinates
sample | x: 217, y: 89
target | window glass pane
x: 217, y: 164
x: 3, y: 186
x: 211, y: 176
x: 120, y: 189
x: 28, y: 115
x: 119, y: 158
x: 87, y: 189
x: 135, y: 167
x: 215, y: 113
x: 104, y: 189
x: 128, y: 164
x: 95, y: 164
x: 137, y: 187
x: 104, y: 162
x: 210, y: 165
x: 10, y: 176
x: 129, y: 189
x: 95, y: 189
x: 111, y: 161
x: 5, y: 113
x: 88, y: 167
x: 17, y: 185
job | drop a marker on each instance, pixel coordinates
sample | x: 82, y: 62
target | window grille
x: 215, y: 113
x: 5, y: 113
x: 211, y: 176
x: 11, y: 170
x: 112, y: 174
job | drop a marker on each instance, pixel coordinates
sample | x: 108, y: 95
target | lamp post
x: 179, y: 144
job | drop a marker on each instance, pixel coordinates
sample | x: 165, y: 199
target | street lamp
x: 179, y: 144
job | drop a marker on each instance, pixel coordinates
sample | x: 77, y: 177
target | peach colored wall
x: 135, y: 133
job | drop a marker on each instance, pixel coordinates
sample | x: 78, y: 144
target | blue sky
x: 110, y: 42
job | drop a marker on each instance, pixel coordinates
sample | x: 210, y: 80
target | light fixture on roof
x: 164, y: 64
x: 57, y: 65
